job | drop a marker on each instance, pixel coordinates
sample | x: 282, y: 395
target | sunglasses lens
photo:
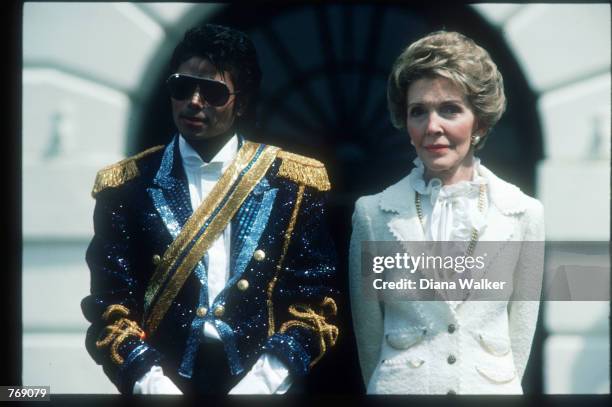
x: 182, y: 87
x: 215, y: 93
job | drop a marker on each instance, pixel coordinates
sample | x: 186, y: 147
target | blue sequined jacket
x: 280, y: 294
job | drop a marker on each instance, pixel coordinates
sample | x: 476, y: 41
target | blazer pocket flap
x: 405, y: 339
x: 494, y: 345
x: 402, y: 363
x: 497, y: 373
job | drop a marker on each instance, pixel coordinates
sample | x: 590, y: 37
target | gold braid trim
x: 119, y: 331
x: 279, y: 266
x: 303, y: 170
x: 117, y: 174
x: 114, y: 309
x: 308, y: 318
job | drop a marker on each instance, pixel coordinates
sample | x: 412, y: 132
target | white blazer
x: 431, y: 347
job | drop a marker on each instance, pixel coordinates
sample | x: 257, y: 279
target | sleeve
x: 524, y: 303
x: 267, y: 376
x: 367, y: 313
x: 115, y: 339
x: 301, y: 305
x: 155, y: 382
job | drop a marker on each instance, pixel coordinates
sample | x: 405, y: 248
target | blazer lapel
x: 499, y: 231
x: 505, y: 203
x: 500, y: 227
x: 170, y: 192
x: 248, y: 225
x: 397, y: 201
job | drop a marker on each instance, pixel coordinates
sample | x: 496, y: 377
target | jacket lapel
x: 169, y: 192
x: 248, y: 225
x: 397, y: 202
x: 505, y: 203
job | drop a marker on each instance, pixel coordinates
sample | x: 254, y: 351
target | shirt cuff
x: 155, y: 382
x: 267, y: 376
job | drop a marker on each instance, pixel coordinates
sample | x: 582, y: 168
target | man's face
x: 194, y: 117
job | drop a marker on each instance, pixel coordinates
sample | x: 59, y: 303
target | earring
x: 475, y: 140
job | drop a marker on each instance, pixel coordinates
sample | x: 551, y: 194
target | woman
x: 447, y: 93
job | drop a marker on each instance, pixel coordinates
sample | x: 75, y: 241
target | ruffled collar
x: 507, y: 198
x: 456, y: 197
x: 434, y: 188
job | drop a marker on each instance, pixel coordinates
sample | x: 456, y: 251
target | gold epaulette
x: 303, y: 170
x: 117, y: 174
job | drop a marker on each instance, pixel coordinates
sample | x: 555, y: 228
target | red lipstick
x: 436, y: 147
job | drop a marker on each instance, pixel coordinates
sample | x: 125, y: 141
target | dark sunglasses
x: 182, y: 86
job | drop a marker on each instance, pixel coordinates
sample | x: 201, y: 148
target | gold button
x: 259, y: 255
x: 219, y: 311
x: 156, y: 259
x: 201, y: 312
x: 242, y: 284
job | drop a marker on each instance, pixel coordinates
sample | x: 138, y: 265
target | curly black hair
x: 229, y: 50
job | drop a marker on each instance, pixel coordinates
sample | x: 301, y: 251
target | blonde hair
x: 456, y: 57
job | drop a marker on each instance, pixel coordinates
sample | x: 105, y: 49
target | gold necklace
x: 474, y: 235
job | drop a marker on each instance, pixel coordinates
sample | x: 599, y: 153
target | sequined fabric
x: 199, y: 232
x: 139, y: 219
x: 197, y: 324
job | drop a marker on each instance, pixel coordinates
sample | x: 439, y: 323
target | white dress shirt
x: 450, y: 212
x: 268, y: 375
x: 201, y: 178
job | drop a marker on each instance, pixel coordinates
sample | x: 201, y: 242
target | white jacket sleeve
x: 367, y: 313
x: 524, y: 305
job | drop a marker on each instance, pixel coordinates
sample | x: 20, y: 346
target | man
x: 211, y: 264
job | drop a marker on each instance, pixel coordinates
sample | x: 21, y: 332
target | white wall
x: 82, y: 84
x: 564, y: 51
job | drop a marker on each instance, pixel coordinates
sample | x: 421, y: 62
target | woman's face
x: 440, y: 124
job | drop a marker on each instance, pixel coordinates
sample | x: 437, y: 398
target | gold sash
x: 210, y: 219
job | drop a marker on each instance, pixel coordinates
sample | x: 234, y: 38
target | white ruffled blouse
x: 450, y: 211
